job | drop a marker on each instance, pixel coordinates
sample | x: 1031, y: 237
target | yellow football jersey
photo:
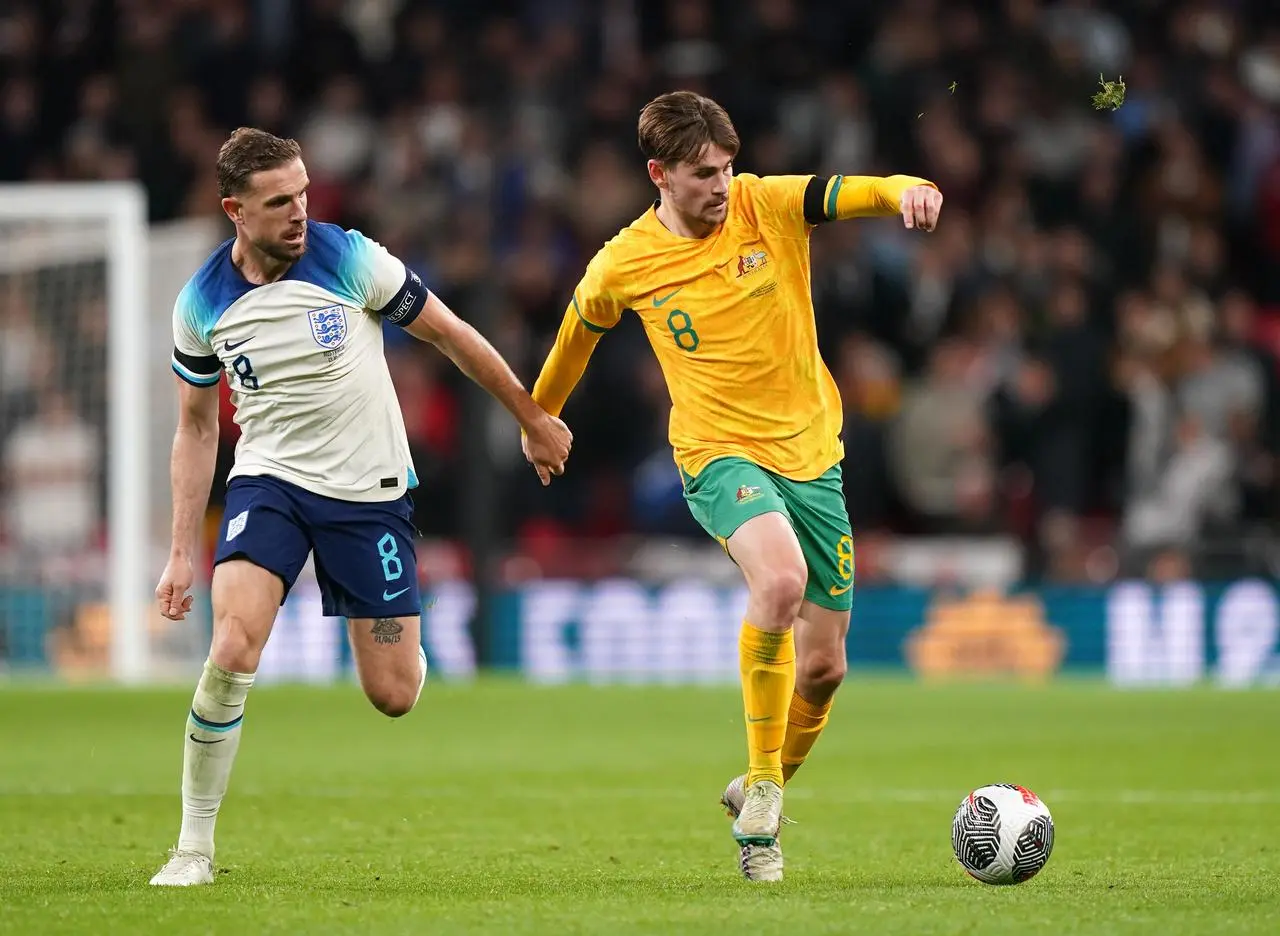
x: 731, y: 320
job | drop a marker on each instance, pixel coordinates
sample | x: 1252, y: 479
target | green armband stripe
x: 832, y: 196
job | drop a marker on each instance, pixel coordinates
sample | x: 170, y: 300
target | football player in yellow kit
x: 718, y: 272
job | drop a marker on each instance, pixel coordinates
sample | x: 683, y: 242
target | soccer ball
x: 1002, y: 834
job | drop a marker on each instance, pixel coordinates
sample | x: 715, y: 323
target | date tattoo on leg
x: 386, y: 631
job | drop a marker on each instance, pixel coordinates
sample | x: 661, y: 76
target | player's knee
x: 237, y: 646
x: 394, y: 704
x: 819, y: 674
x: 394, y: 698
x: 779, y: 592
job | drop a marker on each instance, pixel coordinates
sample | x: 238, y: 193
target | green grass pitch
x: 505, y: 808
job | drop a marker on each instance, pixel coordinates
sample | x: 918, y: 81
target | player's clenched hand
x: 546, y: 443
x: 920, y: 207
x: 171, y: 593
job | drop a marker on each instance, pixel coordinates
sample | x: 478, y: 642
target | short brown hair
x: 251, y: 150
x: 676, y: 127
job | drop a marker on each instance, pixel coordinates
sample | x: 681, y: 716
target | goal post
x: 47, y: 226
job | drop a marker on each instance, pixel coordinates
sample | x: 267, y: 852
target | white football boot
x: 758, y: 859
x: 184, y: 869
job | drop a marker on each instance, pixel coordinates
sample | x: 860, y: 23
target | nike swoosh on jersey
x: 228, y: 346
x: 198, y: 741
x: 388, y: 597
x: 836, y: 591
x: 659, y: 303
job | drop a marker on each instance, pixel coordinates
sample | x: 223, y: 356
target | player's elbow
x: 201, y: 430
x: 199, y: 423
x: 198, y: 412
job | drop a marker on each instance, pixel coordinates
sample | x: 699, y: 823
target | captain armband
x: 815, y: 201
x: 406, y: 304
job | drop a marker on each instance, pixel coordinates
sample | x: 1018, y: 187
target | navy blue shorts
x: 364, y: 557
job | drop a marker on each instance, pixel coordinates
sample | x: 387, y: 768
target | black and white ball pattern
x: 1002, y: 834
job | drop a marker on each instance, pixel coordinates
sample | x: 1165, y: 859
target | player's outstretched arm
x: 191, y: 467
x: 548, y: 440
x: 567, y: 360
x: 841, y: 197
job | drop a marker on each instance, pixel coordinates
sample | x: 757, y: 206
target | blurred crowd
x: 1085, y: 352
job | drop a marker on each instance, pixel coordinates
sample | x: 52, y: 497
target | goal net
x: 77, y: 376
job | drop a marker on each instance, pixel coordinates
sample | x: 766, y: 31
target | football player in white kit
x: 291, y: 310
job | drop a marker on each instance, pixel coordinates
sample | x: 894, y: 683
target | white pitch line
x: 516, y: 792
x: 1051, y: 795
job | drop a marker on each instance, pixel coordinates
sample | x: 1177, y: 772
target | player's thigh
x: 738, y: 503
x: 245, y: 599
x: 367, y: 570
x: 821, y: 522
x: 386, y: 657
x: 766, y: 549
x: 727, y: 494
x: 262, y: 547
x: 366, y: 565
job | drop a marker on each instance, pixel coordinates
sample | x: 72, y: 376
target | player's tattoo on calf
x: 386, y: 631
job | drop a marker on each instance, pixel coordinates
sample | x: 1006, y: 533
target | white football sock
x: 212, y: 738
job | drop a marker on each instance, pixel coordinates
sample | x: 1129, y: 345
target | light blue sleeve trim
x: 199, y: 380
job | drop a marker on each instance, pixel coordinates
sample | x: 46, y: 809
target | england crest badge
x: 328, y: 326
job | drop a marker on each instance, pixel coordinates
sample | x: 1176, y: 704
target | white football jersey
x: 303, y: 356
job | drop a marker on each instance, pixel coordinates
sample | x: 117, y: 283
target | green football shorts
x: 730, y: 491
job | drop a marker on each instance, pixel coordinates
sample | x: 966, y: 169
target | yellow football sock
x: 768, y: 664
x: 804, y: 723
